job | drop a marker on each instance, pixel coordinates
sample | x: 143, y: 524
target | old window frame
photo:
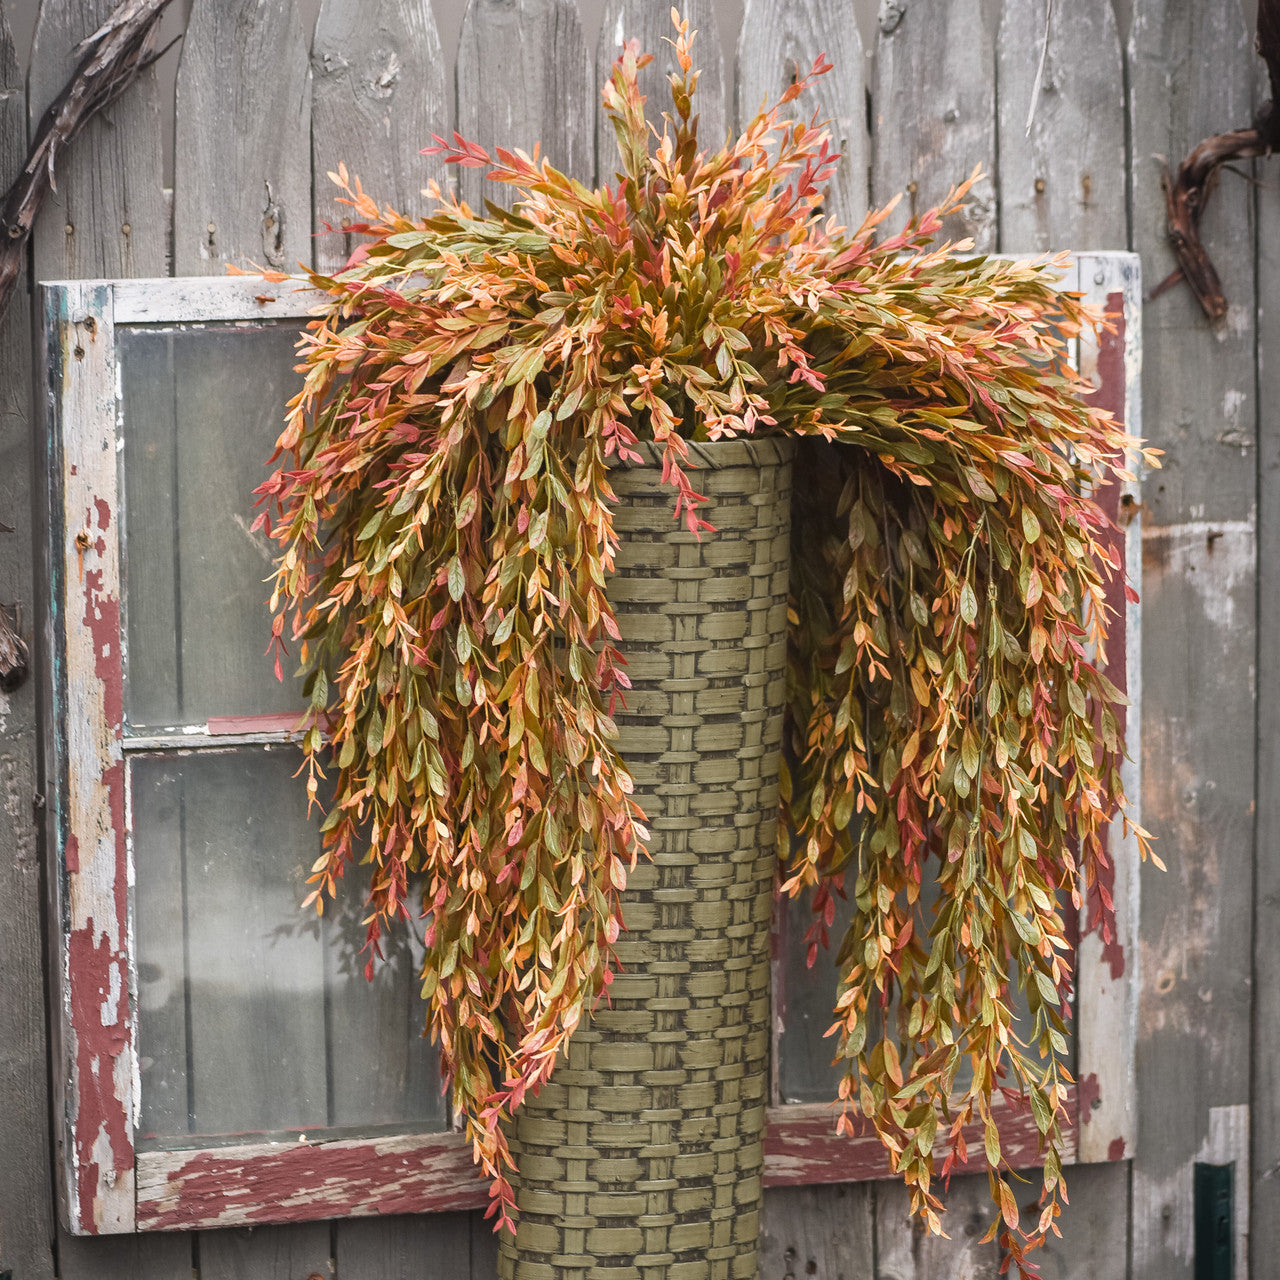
x: 105, y: 1185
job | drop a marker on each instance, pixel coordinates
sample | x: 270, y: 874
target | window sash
x: 107, y: 1187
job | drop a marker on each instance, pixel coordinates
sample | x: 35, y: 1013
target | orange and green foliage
x: 443, y: 509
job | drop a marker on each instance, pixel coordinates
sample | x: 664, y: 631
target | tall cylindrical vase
x: 642, y: 1158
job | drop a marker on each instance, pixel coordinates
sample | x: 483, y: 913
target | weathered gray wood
x: 265, y: 1253
x: 935, y: 112
x: 649, y: 21
x: 380, y: 93
x: 26, y: 1225
x: 904, y: 1252
x: 827, y: 1233
x: 108, y: 215
x: 1264, y: 1236
x: 1108, y: 976
x: 1063, y: 185
x: 524, y: 77
x: 435, y: 1247
x: 1191, y: 72
x: 164, y: 1256
x: 780, y: 39
x: 484, y: 1248
x: 242, y: 139
x: 1094, y: 1226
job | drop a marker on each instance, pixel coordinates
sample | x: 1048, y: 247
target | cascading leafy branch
x: 444, y: 511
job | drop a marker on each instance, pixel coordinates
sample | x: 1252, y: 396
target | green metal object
x: 643, y: 1157
x: 1215, y: 1213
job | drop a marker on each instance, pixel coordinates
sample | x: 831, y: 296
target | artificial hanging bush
x: 443, y: 508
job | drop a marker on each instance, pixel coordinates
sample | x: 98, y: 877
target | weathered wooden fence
x: 260, y: 117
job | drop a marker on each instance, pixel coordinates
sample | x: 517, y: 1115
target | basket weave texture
x: 642, y: 1158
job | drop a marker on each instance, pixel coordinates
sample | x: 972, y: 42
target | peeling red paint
x: 802, y: 1148
x: 1089, y: 1091
x: 300, y: 1181
x: 1115, y: 1149
x: 1110, y: 395
x: 98, y: 1111
x: 102, y: 618
x: 98, y: 970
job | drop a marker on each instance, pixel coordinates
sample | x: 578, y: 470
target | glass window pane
x: 255, y: 1019
x: 202, y: 407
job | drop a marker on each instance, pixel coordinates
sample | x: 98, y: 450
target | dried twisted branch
x: 113, y: 57
x: 1187, y: 191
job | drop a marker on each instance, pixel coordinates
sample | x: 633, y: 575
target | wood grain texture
x: 1265, y: 1232
x: 266, y: 1253
x: 293, y: 1181
x: 779, y: 40
x: 437, y: 1247
x: 242, y: 135
x: 86, y: 797
x: 822, y: 1233
x: 524, y: 77
x: 380, y: 91
x: 1095, y: 1225
x: 1063, y: 185
x: 935, y: 112
x: 140, y: 1257
x: 26, y: 1226
x: 904, y: 1252
x: 108, y: 216
x: 649, y: 21
x: 1191, y: 74
x: 1108, y: 972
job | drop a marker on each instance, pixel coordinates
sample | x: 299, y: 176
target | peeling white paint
x: 1215, y: 558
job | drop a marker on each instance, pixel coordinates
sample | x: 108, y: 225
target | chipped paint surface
x: 296, y: 1182
x: 89, y: 698
x: 1108, y: 968
x: 802, y: 1148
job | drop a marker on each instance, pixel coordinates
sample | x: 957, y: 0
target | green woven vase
x: 642, y: 1158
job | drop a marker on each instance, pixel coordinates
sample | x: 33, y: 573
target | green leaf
x: 457, y: 580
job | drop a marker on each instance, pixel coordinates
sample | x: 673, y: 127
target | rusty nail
x: 70, y: 230
x: 1039, y: 186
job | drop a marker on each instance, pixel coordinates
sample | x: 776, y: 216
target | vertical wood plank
x: 484, y: 1248
x: 1094, y: 1226
x: 779, y: 40
x: 524, y: 77
x: 265, y: 1253
x: 1108, y: 975
x: 242, y: 139
x: 108, y: 216
x: 243, y: 192
x: 380, y: 92
x: 1063, y: 185
x: 649, y: 21
x: 1264, y: 1236
x: 142, y: 1257
x: 435, y: 1247
x: 935, y: 113
x: 904, y: 1252
x: 1191, y: 72
x: 26, y: 1224
x: 826, y: 1233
